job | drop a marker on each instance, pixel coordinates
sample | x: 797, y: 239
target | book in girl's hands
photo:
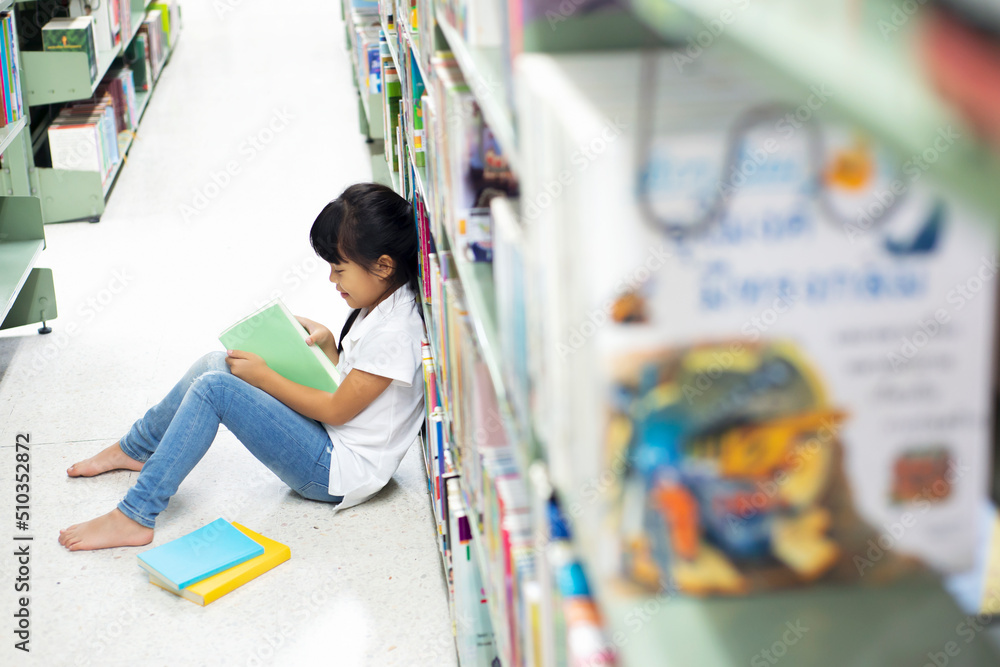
x: 198, y: 555
x: 273, y: 333
x: 214, y: 587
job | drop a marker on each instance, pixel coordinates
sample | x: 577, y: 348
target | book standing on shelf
x: 170, y: 21
x: 156, y: 42
x: 138, y: 58
x: 72, y: 35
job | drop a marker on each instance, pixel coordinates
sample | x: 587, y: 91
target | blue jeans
x: 174, y: 434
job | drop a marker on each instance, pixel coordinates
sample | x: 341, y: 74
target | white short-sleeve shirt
x: 368, y: 448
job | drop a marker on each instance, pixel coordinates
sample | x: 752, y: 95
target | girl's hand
x: 248, y: 367
x: 318, y: 334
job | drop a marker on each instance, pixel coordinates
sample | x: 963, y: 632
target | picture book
x: 72, y: 35
x: 785, y: 364
x: 200, y: 554
x: 214, y: 587
x: 273, y: 333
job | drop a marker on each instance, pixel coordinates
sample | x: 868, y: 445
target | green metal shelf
x: 16, y: 261
x: 899, y: 624
x: 142, y: 101
x: 370, y: 103
x: 862, y: 626
x: 10, y: 132
x: 27, y: 293
x: 484, y: 73
x: 380, y: 170
x: 52, y: 77
x: 873, y: 75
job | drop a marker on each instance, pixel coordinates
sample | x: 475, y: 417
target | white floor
x: 263, y: 92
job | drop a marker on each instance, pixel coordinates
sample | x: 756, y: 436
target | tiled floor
x: 252, y: 129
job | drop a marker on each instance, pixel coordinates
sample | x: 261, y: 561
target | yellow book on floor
x: 214, y: 587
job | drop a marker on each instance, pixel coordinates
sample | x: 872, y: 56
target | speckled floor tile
x: 145, y: 292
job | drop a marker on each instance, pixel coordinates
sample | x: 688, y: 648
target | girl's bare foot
x: 110, y: 458
x: 113, y: 529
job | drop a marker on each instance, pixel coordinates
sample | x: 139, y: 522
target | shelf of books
x: 442, y: 153
x: 484, y: 71
x: 686, y: 358
x: 90, y: 77
x: 27, y: 292
x: 868, y: 63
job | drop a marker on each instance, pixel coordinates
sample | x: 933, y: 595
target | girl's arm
x: 353, y: 395
x: 321, y: 336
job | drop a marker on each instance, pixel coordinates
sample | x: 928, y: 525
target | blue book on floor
x: 198, y: 555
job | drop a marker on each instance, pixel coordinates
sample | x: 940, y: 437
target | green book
x: 72, y: 35
x: 273, y: 333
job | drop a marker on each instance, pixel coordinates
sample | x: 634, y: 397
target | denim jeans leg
x: 291, y: 445
x: 145, y: 435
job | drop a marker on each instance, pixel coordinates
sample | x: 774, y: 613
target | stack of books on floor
x: 207, y: 563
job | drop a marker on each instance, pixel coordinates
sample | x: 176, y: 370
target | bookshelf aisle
x: 27, y: 292
x: 73, y: 176
x: 686, y: 381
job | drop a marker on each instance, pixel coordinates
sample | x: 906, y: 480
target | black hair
x: 366, y: 221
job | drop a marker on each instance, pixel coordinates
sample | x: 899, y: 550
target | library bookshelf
x: 27, y: 292
x: 51, y: 79
x: 512, y: 443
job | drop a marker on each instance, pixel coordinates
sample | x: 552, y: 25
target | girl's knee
x: 213, y: 361
x: 214, y: 380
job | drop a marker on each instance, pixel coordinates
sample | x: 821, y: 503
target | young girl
x: 339, y: 447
